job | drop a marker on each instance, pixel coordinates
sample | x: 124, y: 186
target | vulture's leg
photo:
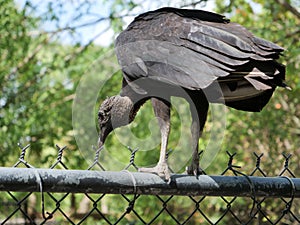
x: 199, y: 107
x: 162, y: 112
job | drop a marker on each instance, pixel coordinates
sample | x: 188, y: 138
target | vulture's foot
x: 194, y: 169
x: 161, y: 169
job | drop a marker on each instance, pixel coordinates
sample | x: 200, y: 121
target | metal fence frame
x: 124, y: 183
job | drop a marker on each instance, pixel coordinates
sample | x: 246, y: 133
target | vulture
x: 197, y: 55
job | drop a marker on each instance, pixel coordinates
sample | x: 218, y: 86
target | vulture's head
x: 114, y: 112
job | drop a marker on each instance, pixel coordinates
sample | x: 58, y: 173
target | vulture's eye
x: 101, y: 116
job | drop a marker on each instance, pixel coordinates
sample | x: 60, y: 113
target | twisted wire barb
x: 230, y: 165
x: 257, y: 165
x: 96, y: 159
x: 23, y: 150
x: 59, y: 157
x: 22, y: 156
x: 287, y: 158
x: 132, y: 158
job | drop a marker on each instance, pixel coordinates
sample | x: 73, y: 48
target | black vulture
x: 198, y: 55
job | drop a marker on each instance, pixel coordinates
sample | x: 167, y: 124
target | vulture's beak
x: 104, y: 132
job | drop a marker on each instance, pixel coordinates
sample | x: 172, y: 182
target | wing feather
x: 157, y: 59
x: 193, y: 51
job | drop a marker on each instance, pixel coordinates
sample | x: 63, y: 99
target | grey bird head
x: 114, y: 112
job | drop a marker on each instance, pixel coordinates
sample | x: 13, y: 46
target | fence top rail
x: 125, y: 182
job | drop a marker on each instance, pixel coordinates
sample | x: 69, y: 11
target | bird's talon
x: 194, y: 170
x: 161, y: 170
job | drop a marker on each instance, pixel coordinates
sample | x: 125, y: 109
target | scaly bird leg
x: 199, y: 108
x: 194, y: 168
x: 162, y: 112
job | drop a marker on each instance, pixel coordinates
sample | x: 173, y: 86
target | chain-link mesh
x: 41, y: 207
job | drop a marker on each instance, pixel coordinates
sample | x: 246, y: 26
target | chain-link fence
x: 95, y: 196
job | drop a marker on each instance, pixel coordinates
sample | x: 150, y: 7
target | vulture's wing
x: 194, y: 48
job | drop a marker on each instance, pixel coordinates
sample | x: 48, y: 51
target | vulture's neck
x: 134, y: 99
x: 136, y: 107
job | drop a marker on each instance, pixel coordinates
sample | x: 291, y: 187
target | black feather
x: 195, y: 49
x: 188, y: 13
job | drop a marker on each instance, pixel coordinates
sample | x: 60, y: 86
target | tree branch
x: 289, y: 7
x: 28, y: 58
x: 193, y: 4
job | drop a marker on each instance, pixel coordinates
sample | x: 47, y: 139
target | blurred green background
x: 47, y: 47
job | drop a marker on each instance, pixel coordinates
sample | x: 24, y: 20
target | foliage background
x: 46, y: 47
